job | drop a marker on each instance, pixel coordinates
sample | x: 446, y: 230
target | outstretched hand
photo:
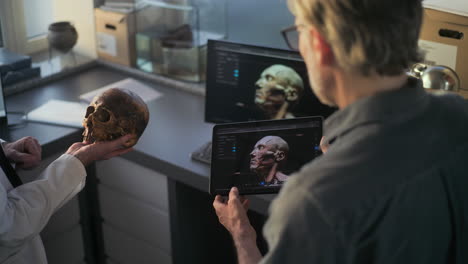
x: 232, y: 214
x: 88, y: 152
x: 25, y: 152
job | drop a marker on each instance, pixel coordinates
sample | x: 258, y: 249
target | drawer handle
x: 448, y: 33
x: 109, y: 26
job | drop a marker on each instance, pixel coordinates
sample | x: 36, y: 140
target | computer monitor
x: 246, y: 83
x: 252, y: 83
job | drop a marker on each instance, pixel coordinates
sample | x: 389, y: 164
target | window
x: 25, y: 24
x: 38, y: 16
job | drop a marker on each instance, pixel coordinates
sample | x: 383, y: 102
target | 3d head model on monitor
x: 268, y: 158
x: 278, y: 90
x: 114, y: 113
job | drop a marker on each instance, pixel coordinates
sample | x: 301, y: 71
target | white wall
x: 81, y: 14
x: 247, y: 24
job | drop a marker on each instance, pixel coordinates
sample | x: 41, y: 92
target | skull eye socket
x: 102, y: 115
x: 89, y: 111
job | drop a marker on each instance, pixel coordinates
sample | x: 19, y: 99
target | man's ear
x: 321, y: 47
x: 279, y: 155
x: 291, y: 94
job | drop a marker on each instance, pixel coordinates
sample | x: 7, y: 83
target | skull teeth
x: 87, y: 137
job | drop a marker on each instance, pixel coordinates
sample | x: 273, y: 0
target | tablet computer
x: 259, y: 157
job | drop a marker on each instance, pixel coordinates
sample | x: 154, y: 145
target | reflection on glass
x: 38, y: 16
x: 171, y: 37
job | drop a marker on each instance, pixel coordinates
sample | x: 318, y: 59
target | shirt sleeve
x: 26, y: 209
x: 297, y: 232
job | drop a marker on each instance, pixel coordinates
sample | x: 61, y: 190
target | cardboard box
x: 115, y: 36
x: 444, y: 38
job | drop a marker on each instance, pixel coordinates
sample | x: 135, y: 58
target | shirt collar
x: 388, y: 105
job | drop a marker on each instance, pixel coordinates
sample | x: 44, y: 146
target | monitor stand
x: 203, y: 153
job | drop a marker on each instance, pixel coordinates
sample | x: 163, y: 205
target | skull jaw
x: 131, y: 142
x: 96, y: 135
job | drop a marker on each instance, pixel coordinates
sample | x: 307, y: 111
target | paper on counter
x: 59, y: 112
x: 145, y: 92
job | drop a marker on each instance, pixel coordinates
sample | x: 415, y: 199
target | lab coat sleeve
x: 25, y: 210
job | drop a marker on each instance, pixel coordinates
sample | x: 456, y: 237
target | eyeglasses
x: 291, y: 36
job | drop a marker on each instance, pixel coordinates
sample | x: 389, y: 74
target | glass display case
x: 171, y: 36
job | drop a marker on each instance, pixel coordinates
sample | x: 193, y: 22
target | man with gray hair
x: 392, y: 186
x: 268, y: 158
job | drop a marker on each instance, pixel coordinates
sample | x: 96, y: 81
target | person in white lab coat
x: 25, y: 210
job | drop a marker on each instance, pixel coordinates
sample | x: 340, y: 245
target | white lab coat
x: 25, y: 210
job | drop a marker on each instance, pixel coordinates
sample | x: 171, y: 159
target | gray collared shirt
x: 392, y: 188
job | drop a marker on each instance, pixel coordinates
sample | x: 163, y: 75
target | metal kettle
x: 436, y: 77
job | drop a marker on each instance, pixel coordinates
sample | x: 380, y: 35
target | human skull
x: 115, y: 113
x: 279, y: 80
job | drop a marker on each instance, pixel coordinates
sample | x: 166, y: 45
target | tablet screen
x: 259, y: 157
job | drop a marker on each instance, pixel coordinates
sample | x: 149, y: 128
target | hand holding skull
x: 87, y: 153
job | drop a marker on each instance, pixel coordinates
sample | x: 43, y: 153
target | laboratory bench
x: 147, y: 206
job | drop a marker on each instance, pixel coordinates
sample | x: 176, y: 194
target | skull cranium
x: 115, y: 113
x: 281, y: 78
x: 278, y: 89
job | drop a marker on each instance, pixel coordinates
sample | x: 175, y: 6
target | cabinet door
x: 134, y: 208
x: 68, y: 247
x: 135, y: 181
x: 124, y: 249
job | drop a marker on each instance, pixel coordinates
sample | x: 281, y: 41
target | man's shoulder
x: 452, y: 102
x: 319, y: 189
x: 343, y: 179
x: 346, y: 162
x: 372, y: 160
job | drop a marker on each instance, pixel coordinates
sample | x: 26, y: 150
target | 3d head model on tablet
x: 278, y: 89
x: 268, y: 158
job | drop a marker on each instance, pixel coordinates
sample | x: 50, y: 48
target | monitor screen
x: 246, y: 83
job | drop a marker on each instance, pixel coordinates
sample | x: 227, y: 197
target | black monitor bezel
x: 213, y: 190
x: 3, y: 119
